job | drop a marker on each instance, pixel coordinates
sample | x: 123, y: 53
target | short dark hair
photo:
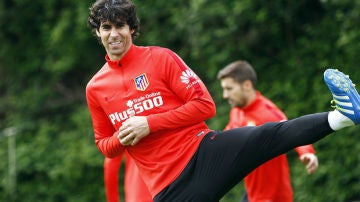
x: 240, y: 71
x: 115, y: 11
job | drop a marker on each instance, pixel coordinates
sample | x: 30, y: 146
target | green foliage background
x: 47, y: 55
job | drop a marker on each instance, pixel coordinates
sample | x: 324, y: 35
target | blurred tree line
x: 47, y: 55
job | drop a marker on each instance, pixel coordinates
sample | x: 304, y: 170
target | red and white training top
x: 152, y: 82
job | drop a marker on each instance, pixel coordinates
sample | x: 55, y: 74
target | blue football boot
x: 345, y: 97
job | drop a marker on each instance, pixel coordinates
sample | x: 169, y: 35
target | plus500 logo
x: 136, y: 108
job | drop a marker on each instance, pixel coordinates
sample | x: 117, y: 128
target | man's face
x: 116, y: 39
x: 234, y: 92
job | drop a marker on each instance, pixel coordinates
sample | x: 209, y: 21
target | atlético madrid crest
x: 141, y: 82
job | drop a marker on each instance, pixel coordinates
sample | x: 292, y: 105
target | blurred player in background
x: 134, y: 187
x: 271, y: 180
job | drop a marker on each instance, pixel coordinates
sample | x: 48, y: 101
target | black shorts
x: 223, y: 159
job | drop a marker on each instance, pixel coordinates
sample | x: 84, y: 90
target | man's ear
x: 97, y: 33
x: 247, y: 84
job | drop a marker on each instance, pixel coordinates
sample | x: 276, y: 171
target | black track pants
x: 223, y: 159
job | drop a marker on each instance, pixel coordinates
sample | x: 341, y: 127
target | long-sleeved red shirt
x: 270, y: 182
x: 152, y: 82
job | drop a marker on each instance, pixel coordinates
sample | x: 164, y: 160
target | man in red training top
x: 270, y: 181
x: 147, y: 102
x: 134, y: 187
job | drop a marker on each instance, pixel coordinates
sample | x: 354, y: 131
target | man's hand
x: 311, y: 162
x: 133, y: 130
